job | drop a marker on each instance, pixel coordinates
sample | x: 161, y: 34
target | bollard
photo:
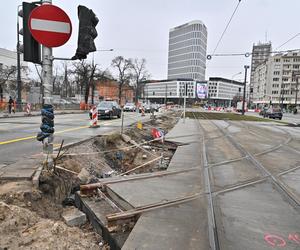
x: 94, y: 119
x: 143, y: 111
x: 28, y: 109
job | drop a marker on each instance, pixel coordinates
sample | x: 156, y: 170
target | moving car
x: 274, y: 113
x: 108, y: 109
x: 129, y: 107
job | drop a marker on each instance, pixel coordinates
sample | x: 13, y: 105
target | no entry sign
x: 50, y: 25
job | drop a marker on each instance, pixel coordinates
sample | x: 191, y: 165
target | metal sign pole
x: 122, y: 125
x: 184, y: 103
x: 47, y: 85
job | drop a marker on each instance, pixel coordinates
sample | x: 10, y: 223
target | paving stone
x: 74, y: 217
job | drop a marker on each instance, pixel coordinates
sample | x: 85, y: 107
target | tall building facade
x: 187, y: 51
x: 260, y: 53
x: 277, y: 80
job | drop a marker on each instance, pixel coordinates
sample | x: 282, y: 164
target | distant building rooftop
x: 221, y: 79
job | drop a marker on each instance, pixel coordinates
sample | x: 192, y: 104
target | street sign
x: 50, y: 25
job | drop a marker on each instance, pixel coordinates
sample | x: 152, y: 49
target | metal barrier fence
x: 36, y: 107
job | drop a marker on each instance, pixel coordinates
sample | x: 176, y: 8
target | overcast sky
x: 139, y: 28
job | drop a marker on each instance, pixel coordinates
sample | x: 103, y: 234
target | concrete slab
x: 280, y: 160
x: 148, y: 191
x: 292, y: 180
x: 233, y: 173
x: 178, y: 227
x: 186, y: 157
x: 256, y: 217
x: 184, y: 132
x: 21, y: 170
x: 74, y: 217
x: 221, y: 149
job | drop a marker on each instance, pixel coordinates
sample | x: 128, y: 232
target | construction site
x: 198, y: 180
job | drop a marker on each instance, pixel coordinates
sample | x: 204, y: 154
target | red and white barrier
x: 28, y: 109
x: 94, y: 119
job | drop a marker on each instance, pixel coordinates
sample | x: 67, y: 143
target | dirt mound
x: 21, y: 228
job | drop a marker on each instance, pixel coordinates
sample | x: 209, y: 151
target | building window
x: 275, y: 79
x: 276, y: 73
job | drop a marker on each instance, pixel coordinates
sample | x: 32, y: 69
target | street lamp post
x: 232, y: 79
x: 246, y: 67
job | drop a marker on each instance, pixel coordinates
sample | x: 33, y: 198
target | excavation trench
x: 134, y: 152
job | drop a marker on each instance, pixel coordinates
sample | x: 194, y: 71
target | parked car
x: 129, y: 107
x: 275, y: 113
x: 147, y: 108
x: 155, y: 106
x: 108, y: 109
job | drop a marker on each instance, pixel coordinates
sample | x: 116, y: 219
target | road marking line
x: 16, y: 140
x: 58, y: 132
x: 34, y: 136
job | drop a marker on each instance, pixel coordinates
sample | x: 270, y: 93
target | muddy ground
x: 31, y: 218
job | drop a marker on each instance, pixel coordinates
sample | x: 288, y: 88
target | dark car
x: 108, y: 109
x: 273, y: 113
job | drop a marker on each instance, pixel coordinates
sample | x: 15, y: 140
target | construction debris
x: 74, y: 217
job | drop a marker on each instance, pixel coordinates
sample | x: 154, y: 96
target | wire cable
x: 226, y: 27
x: 288, y: 41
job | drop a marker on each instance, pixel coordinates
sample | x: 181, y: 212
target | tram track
x: 266, y: 175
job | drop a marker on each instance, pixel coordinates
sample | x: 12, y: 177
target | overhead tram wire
x: 293, y: 37
x: 218, y: 43
x: 247, y: 54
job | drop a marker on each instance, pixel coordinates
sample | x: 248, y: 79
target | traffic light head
x: 87, y: 32
x: 30, y: 48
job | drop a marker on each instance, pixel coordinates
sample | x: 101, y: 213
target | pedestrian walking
x: 10, y: 104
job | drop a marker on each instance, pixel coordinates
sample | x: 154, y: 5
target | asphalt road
x: 287, y: 117
x: 18, y: 135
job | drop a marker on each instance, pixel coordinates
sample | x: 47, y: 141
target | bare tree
x: 139, y: 74
x: 85, y: 74
x: 7, y: 74
x: 124, y: 74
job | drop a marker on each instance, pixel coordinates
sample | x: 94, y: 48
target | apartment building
x: 276, y: 80
x: 260, y: 53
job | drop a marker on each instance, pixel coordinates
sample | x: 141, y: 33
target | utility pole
x: 47, y: 76
x: 19, y: 82
x: 246, y: 67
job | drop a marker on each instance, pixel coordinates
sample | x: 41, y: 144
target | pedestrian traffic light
x: 87, y: 32
x: 31, y: 49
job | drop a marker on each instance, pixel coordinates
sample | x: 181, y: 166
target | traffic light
x: 87, y: 32
x: 31, y: 49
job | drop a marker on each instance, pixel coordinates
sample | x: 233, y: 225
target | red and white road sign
x: 50, y: 25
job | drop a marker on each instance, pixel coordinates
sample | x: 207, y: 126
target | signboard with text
x: 201, y: 90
